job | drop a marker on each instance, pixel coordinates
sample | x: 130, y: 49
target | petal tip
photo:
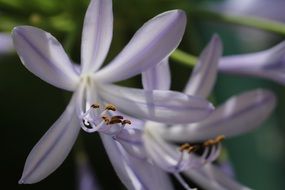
x: 21, y: 181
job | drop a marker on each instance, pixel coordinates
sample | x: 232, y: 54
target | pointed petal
x: 268, y: 64
x: 157, y: 77
x: 43, y: 55
x: 240, y: 114
x: 49, y: 153
x: 210, y: 177
x: 149, y: 46
x: 162, y: 106
x: 204, y: 74
x: 6, y: 44
x: 97, y: 34
x: 134, y: 173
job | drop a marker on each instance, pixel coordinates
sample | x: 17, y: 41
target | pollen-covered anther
x: 95, y: 106
x: 110, y: 107
x: 106, y: 119
x: 189, y: 148
x: 184, y: 147
x: 124, y: 122
x: 215, y: 141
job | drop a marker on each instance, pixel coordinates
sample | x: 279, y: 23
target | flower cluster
x: 147, y: 132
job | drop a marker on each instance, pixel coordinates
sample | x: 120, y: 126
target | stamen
x: 124, y: 122
x: 101, y: 120
x: 106, y: 119
x: 95, y: 106
x: 110, y: 107
x: 118, y: 117
x: 189, y: 148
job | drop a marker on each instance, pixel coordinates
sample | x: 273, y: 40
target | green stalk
x: 250, y: 21
x: 184, y: 58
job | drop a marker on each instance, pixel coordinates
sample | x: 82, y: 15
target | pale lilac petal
x: 134, y: 173
x: 240, y: 114
x: 52, y: 149
x: 149, y: 46
x: 6, y: 44
x: 163, y: 154
x: 157, y: 77
x: 268, y: 64
x: 204, y: 74
x: 210, y: 177
x: 43, y: 55
x: 162, y: 106
x: 97, y: 34
x: 85, y: 175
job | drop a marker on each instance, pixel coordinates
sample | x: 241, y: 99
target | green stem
x: 184, y: 58
x: 254, y: 22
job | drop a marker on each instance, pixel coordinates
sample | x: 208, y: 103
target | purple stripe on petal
x: 43, y: 55
x: 48, y: 154
x: 238, y: 115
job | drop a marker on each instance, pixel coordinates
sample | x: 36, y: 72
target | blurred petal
x: 162, y: 106
x: 157, y: 77
x: 204, y: 74
x: 6, y: 44
x: 150, y: 45
x: 43, y: 55
x: 97, y: 34
x: 268, y: 64
x: 240, y: 114
x: 86, y: 177
x: 49, y: 153
x: 210, y: 177
x: 165, y: 155
x: 134, y: 173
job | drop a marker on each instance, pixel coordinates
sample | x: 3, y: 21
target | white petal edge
x: 204, y: 75
x: 44, y: 56
x: 52, y: 149
x: 157, y: 77
x: 152, y: 43
x: 240, y: 114
x: 135, y: 174
x: 157, y: 105
x: 96, y: 35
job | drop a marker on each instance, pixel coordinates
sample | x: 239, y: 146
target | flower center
x: 103, y: 120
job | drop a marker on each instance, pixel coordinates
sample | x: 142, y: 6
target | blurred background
x: 29, y: 106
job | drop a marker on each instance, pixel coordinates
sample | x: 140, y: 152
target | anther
x: 184, y: 147
x: 106, y: 119
x: 117, y: 117
x: 220, y: 138
x: 192, y: 149
x: 124, y: 122
x: 209, y: 142
x: 115, y: 121
x: 95, y: 106
x: 110, y: 107
x: 215, y: 141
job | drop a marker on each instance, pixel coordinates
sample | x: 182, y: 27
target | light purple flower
x: 269, y: 64
x: 154, y: 142
x: 43, y: 55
